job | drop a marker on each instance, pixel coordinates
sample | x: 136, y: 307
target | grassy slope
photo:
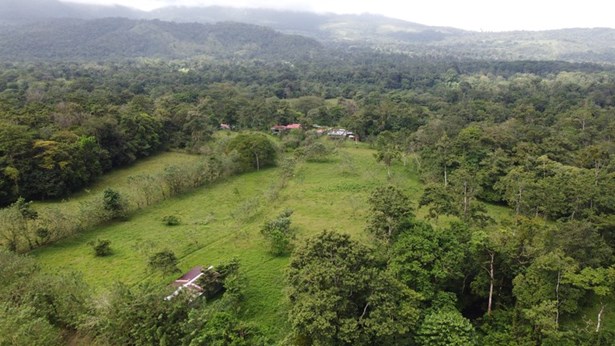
x: 325, y: 195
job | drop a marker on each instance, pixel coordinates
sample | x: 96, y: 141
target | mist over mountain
x: 118, y: 38
x: 21, y: 19
x: 23, y: 11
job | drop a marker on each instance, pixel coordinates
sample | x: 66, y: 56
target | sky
x: 477, y: 15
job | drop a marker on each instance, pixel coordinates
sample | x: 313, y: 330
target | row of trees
x: 25, y: 227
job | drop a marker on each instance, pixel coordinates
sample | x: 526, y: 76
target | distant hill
x: 330, y: 27
x: 587, y: 45
x: 366, y: 31
x: 117, y: 38
x: 25, y: 11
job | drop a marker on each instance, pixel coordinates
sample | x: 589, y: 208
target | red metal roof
x: 190, y: 275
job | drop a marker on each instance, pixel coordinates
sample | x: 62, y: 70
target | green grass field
x: 222, y: 221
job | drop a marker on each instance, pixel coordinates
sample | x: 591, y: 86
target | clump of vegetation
x: 255, y: 151
x: 220, y: 279
x: 279, y: 234
x: 390, y: 211
x: 171, y: 220
x: 163, y: 261
x: 101, y: 247
x: 114, y: 203
x: 315, y: 152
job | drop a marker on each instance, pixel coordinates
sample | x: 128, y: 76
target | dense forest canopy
x: 533, y: 136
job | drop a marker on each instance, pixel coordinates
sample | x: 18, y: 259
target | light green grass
x: 323, y: 195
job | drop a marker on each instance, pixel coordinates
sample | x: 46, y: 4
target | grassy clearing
x: 223, y: 221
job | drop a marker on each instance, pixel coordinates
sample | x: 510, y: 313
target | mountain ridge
x: 120, y: 38
x: 364, y: 30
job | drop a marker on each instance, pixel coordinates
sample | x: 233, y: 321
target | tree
x: 340, y: 295
x: 390, y: 212
x: 140, y: 315
x: 314, y: 152
x: 22, y: 326
x: 278, y: 233
x: 428, y: 260
x: 213, y: 280
x: 18, y: 225
x: 543, y: 294
x: 387, y: 150
x: 221, y: 328
x: 255, y: 151
x: 598, y: 281
x: 459, y: 198
x: 164, y: 261
x: 114, y: 203
x: 445, y: 327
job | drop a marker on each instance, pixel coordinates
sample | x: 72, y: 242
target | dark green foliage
x: 114, y: 203
x: 213, y: 280
x: 255, y: 151
x: 140, y: 316
x: 171, y: 220
x: 101, y: 247
x: 222, y: 329
x: 340, y: 294
x: 164, y: 261
x: 22, y: 326
x: 428, y: 260
x: 37, y: 306
x: 446, y: 327
x: 279, y: 234
x: 390, y: 212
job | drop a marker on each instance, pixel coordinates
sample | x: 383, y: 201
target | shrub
x: 279, y: 234
x: 171, y: 220
x: 101, y: 247
x: 164, y: 261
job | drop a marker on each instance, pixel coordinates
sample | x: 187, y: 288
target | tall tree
x: 390, y: 212
x: 340, y: 295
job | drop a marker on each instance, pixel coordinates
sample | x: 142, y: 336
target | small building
x: 225, y: 127
x: 279, y: 129
x: 188, y: 282
x: 341, y: 134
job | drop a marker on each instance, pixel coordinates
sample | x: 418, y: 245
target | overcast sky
x: 486, y: 15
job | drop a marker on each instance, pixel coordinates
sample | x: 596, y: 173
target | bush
x: 101, y: 247
x: 164, y: 261
x: 114, y: 203
x: 171, y: 220
x: 315, y: 152
x: 279, y: 234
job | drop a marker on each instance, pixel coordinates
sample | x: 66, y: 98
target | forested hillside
x: 156, y: 39
x: 478, y: 209
x: 116, y: 38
